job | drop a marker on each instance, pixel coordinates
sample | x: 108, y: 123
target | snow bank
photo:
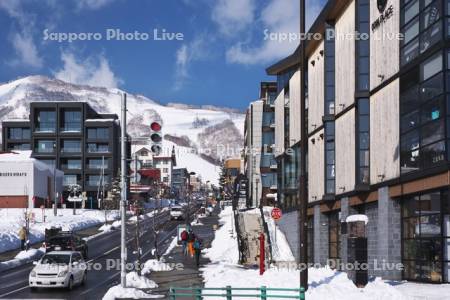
x: 21, y: 258
x: 11, y: 219
x: 357, y: 218
x: 140, y: 282
x: 324, y: 283
x: 224, y: 246
x: 154, y: 265
x: 281, y: 252
x: 127, y: 293
x: 172, y: 245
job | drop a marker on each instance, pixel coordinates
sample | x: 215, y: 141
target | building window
x: 97, y: 148
x: 268, y: 138
x: 70, y: 179
x: 97, y: 163
x: 166, y: 179
x: 422, y: 122
x: 329, y: 158
x: 363, y: 141
x: 45, y: 146
x: 71, y: 146
x: 165, y: 170
x: 19, y: 133
x: 334, y: 236
x: 363, y: 46
x: 144, y: 153
x: 426, y: 237
x: 71, y: 164
x: 45, y: 121
x: 98, y: 133
x: 421, y: 25
x: 268, y: 180
x: 329, y: 50
x: 283, y: 79
x: 95, y: 180
x: 19, y: 146
x: 268, y: 119
x: 71, y: 121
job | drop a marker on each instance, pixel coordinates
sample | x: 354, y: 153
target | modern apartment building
x: 180, y: 179
x: 72, y: 137
x: 259, y: 160
x: 378, y: 133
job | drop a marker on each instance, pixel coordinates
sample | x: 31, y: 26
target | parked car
x: 58, y: 240
x: 176, y: 212
x: 58, y: 269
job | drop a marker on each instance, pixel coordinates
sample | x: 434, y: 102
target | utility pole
x: 123, y: 202
x: 55, y: 196
x: 303, y: 196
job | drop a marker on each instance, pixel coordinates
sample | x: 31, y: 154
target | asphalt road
x: 106, y: 247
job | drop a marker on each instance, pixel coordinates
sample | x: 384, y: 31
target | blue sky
x: 220, y: 60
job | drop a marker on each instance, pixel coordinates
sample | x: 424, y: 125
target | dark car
x: 57, y: 240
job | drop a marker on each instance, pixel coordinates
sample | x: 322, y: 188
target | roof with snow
x: 22, y: 156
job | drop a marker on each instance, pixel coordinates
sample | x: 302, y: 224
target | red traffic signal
x: 155, y: 126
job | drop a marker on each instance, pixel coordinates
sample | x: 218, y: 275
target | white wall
x: 384, y: 133
x: 316, y: 171
x: 345, y: 59
x: 316, y: 89
x: 294, y: 109
x: 384, y: 50
x: 279, y: 124
x: 345, y: 152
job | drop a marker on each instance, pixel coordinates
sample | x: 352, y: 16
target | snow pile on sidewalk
x: 281, y: 252
x: 324, y: 283
x: 173, y: 244
x: 22, y: 257
x: 132, y: 291
x: 154, y: 265
x: 110, y: 227
x: 11, y: 219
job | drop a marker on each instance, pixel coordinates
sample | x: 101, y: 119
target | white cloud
x: 26, y: 51
x: 232, y: 16
x: 93, y: 71
x: 279, y: 16
x: 22, y: 41
x: 195, y: 51
x: 92, y: 4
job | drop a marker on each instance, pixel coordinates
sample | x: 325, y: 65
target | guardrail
x: 261, y: 293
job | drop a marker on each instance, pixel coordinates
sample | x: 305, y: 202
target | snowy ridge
x: 225, y: 125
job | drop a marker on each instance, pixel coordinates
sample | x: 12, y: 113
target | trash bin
x: 357, y: 249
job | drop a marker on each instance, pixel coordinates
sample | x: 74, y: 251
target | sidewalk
x: 189, y: 276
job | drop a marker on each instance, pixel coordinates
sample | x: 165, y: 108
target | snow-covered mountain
x: 205, y: 130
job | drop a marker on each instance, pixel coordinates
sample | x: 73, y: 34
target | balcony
x: 71, y: 128
x: 45, y: 127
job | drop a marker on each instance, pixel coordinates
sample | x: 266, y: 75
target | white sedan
x: 58, y: 269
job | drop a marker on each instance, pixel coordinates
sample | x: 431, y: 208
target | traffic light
x: 156, y: 137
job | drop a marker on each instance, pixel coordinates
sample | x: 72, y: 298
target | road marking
x: 15, y: 291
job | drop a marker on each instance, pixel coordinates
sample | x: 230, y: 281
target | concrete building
x: 74, y: 138
x: 259, y: 161
x: 377, y: 134
x: 180, y: 179
x: 165, y: 164
x: 26, y: 182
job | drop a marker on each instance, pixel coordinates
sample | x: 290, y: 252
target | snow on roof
x: 24, y: 156
x: 100, y: 120
x: 356, y: 218
x: 15, y: 120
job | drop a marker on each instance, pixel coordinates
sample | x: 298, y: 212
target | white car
x: 58, y: 269
x: 176, y: 212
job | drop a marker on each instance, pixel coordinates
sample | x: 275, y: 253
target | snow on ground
x: 21, y: 258
x: 172, y: 245
x: 11, y: 219
x: 133, y: 291
x: 154, y: 265
x: 281, y: 252
x: 324, y: 283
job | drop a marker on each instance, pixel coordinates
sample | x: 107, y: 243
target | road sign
x: 276, y: 214
x: 75, y: 199
x: 136, y: 178
x: 135, y: 165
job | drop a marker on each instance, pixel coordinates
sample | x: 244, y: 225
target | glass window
x: 71, y: 164
x: 19, y: 133
x: 72, y: 121
x: 431, y: 67
x: 45, y: 146
x: 97, y: 148
x: 98, y: 133
x: 423, y: 237
x: 411, y: 10
x: 46, y: 121
x: 96, y: 163
x: 71, y: 146
x: 70, y: 179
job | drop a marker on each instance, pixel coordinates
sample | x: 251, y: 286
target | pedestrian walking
x: 191, y: 240
x: 184, y: 241
x: 22, y: 237
x: 198, y: 250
